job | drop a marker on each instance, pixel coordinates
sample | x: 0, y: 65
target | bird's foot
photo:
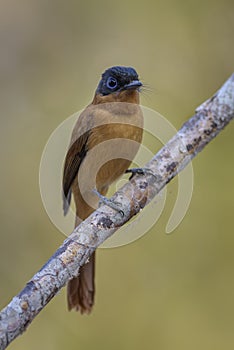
x: 139, y: 171
x: 110, y: 203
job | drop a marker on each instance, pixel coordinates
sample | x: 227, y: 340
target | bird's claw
x: 139, y: 171
x: 110, y: 203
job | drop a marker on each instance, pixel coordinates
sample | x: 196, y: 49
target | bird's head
x: 120, y: 84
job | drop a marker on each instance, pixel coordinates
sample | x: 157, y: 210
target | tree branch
x: 210, y: 118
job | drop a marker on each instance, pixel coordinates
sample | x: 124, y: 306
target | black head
x: 117, y: 79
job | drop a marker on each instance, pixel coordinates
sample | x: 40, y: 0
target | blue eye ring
x: 111, y: 83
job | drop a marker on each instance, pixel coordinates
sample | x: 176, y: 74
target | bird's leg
x: 110, y: 203
x: 140, y: 171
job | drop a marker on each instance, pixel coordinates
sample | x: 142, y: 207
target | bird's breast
x: 113, y: 143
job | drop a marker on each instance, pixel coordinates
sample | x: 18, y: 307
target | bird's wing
x: 74, y: 157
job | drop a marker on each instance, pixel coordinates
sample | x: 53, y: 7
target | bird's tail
x: 81, y: 289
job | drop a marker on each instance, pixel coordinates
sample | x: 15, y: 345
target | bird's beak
x: 135, y: 84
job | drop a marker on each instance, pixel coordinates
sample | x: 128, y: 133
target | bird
x: 104, y: 142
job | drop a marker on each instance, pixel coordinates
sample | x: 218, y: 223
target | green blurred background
x: 163, y: 291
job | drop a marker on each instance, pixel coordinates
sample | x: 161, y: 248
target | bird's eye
x: 111, y: 83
